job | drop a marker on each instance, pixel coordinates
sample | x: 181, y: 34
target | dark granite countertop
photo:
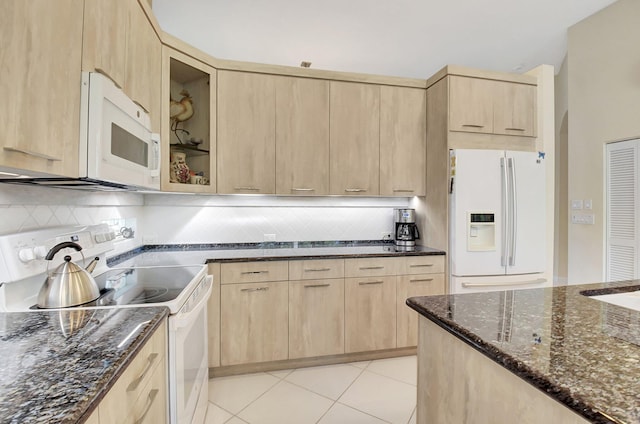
x: 47, y: 377
x: 583, y: 352
x: 193, y: 254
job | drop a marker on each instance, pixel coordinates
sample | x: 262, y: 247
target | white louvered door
x: 622, y: 194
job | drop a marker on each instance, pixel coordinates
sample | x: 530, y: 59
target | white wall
x: 561, y: 181
x: 604, y: 106
x: 170, y: 218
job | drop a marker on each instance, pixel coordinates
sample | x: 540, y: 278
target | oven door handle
x: 185, y: 319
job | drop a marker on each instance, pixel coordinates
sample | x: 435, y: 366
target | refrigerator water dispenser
x: 481, y: 231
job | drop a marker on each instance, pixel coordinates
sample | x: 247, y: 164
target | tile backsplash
x: 167, y: 218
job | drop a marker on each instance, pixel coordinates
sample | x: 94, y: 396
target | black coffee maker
x: 406, y: 232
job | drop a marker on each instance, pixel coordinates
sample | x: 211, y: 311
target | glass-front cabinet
x: 188, y: 124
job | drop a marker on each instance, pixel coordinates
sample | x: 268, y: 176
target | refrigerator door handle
x: 513, y: 213
x: 504, y: 248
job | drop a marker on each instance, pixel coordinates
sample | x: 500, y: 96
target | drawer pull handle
x: 368, y: 283
x: 371, y: 267
x: 402, y: 190
x: 355, y: 190
x: 247, y: 188
x: 421, y: 280
x: 152, y: 396
x: 303, y: 189
x: 254, y: 272
x: 308, y: 286
x: 514, y: 129
x: 135, y: 383
x: 419, y: 265
x: 255, y: 289
x: 317, y: 269
x: 30, y: 153
x: 472, y: 126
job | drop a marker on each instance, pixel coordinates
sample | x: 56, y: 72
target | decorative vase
x: 179, y: 169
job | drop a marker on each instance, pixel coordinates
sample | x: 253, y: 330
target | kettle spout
x: 92, y: 265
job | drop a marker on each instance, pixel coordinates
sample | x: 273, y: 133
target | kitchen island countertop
x: 582, y: 352
x: 47, y: 377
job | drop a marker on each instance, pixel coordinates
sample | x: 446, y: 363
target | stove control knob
x: 26, y: 254
x: 40, y: 252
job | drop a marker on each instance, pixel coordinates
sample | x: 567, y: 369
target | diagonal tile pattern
x: 371, y: 392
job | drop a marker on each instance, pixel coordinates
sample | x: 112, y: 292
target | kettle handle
x: 55, y: 249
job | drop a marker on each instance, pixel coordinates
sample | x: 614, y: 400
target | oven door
x: 188, y: 360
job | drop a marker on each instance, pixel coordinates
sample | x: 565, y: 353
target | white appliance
x: 183, y: 289
x: 117, y: 147
x: 497, y: 233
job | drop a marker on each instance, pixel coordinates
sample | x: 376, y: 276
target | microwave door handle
x: 155, y: 149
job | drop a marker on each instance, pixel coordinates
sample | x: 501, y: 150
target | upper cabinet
x: 492, y: 107
x: 403, y: 141
x: 40, y: 61
x: 121, y: 43
x: 354, y: 139
x: 188, y: 124
x: 246, y: 133
x: 302, y: 136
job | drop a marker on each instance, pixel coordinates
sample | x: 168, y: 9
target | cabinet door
x: 143, y: 64
x: 302, y: 136
x: 409, y: 286
x: 370, y: 313
x: 354, y: 139
x: 246, y: 132
x: 514, y: 109
x: 470, y: 104
x: 316, y: 318
x: 40, y: 84
x: 104, y: 38
x: 403, y: 141
x: 254, y: 322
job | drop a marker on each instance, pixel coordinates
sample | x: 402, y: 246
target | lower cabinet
x: 253, y: 322
x: 316, y: 318
x: 407, y: 319
x: 140, y: 394
x: 370, y: 313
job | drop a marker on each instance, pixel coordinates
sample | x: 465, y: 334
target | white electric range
x: 183, y: 289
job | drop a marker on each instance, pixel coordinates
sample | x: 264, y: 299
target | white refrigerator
x: 497, y: 228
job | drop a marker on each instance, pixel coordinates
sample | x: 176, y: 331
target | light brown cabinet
x: 253, y: 322
x: 421, y: 276
x: 246, y: 133
x: 354, y: 139
x: 302, y: 136
x: 316, y: 318
x: 183, y: 76
x: 492, y: 107
x: 403, y: 141
x: 140, y: 393
x: 41, y: 62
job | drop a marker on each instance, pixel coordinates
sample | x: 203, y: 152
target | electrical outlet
x: 385, y: 235
x: 588, y: 219
x: 269, y: 237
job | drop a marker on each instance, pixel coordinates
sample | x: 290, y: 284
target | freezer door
x: 477, y: 189
x: 528, y: 253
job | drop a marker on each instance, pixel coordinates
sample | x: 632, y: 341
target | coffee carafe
x: 406, y: 232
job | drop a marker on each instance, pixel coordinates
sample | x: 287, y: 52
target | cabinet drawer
x: 422, y: 265
x: 254, y: 272
x: 316, y: 269
x: 151, y: 406
x: 370, y: 267
x: 118, y: 404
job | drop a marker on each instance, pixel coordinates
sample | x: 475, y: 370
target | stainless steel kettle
x: 69, y: 284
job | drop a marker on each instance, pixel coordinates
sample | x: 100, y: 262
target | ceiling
x: 406, y: 38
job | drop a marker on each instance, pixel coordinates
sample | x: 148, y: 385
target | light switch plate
x: 576, y: 204
x: 588, y: 204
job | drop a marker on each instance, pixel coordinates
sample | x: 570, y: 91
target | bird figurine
x: 180, y: 111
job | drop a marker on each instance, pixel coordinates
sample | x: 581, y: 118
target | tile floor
x: 371, y: 392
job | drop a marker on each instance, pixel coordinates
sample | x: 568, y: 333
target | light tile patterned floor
x: 372, y: 392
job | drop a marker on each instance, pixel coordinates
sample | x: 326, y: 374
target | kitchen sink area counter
x: 579, y: 352
x: 57, y: 365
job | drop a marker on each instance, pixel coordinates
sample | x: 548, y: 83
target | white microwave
x: 116, y: 137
